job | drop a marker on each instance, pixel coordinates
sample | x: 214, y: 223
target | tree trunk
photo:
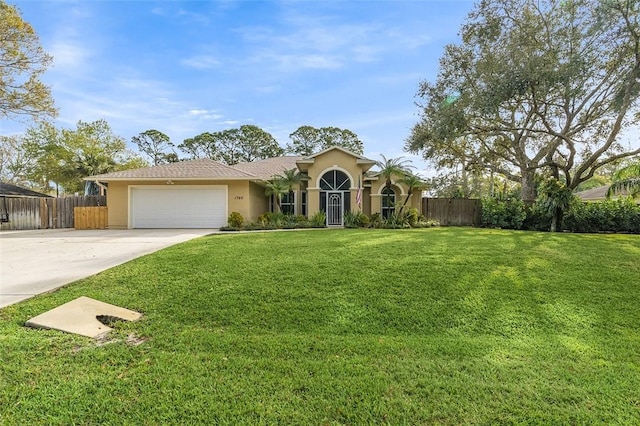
x: 528, y: 183
x: 491, y: 183
x: 465, y: 182
x: 556, y: 220
x: 405, y: 201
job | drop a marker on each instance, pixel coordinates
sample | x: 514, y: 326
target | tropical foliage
x: 66, y: 156
x: 276, y: 188
x: 390, y: 168
x: 626, y: 179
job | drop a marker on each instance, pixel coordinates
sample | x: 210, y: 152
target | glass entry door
x: 334, y: 208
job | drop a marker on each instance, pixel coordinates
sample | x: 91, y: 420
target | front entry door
x: 334, y: 208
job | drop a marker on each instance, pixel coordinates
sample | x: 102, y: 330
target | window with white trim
x: 388, y: 202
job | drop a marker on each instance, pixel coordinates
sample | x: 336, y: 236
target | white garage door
x: 179, y: 206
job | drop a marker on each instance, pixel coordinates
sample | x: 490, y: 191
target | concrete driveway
x: 34, y: 262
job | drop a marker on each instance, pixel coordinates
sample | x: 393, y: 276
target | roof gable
x: 359, y: 158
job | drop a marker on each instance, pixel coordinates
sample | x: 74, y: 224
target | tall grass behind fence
x: 453, y: 211
x: 45, y: 213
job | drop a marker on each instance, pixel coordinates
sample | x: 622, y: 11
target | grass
x: 432, y: 326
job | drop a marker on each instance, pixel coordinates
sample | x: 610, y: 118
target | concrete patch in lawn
x: 84, y: 316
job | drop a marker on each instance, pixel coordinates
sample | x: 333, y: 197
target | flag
x: 359, y: 194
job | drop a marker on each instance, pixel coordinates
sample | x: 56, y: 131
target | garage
x: 178, y: 206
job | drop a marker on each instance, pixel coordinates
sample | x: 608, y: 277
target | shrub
x: 375, y: 221
x: 506, y: 213
x: 422, y: 222
x: 263, y: 219
x: 318, y: 220
x: 538, y: 218
x: 235, y: 220
x: 412, y: 216
x: 355, y: 219
x: 621, y: 215
x: 396, y: 220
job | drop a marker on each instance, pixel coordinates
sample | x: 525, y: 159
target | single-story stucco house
x: 202, y: 193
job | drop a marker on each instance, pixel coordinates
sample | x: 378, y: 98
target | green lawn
x: 431, y: 326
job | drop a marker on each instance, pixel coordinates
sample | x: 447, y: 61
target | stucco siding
x: 258, y: 201
x: 117, y: 200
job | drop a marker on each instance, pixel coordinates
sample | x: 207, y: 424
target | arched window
x: 335, y: 180
x: 388, y: 202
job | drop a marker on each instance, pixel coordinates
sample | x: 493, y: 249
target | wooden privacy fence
x: 90, y: 217
x: 452, y: 211
x: 45, y: 213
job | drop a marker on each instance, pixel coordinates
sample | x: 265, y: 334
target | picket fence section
x: 44, y: 213
x: 453, y: 211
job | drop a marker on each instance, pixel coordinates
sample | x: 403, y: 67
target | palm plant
x: 627, y: 178
x: 392, y: 166
x: 291, y: 178
x: 276, y: 187
x: 555, y: 197
x: 413, y: 183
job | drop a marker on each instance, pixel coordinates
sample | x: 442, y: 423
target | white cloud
x: 268, y: 89
x: 68, y: 55
x: 205, y: 114
x: 201, y: 62
x: 193, y: 17
x: 322, y: 42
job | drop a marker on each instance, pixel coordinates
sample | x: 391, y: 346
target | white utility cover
x: 179, y: 206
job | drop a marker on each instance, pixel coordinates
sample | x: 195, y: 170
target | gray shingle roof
x: 11, y: 190
x: 267, y: 168
x: 599, y: 193
x: 203, y: 168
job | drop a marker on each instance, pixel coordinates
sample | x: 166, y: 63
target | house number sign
x: 239, y: 197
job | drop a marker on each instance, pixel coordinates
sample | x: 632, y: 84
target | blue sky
x: 188, y: 67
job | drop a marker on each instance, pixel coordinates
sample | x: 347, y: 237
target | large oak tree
x: 535, y: 86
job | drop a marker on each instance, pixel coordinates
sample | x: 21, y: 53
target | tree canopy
x: 546, y: 86
x: 154, y: 144
x: 66, y: 156
x: 232, y: 146
x: 15, y: 162
x: 22, y: 62
x: 306, y: 140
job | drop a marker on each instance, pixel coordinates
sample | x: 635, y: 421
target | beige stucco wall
x: 117, y: 202
x: 366, y: 201
x: 258, y: 202
x: 239, y: 198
